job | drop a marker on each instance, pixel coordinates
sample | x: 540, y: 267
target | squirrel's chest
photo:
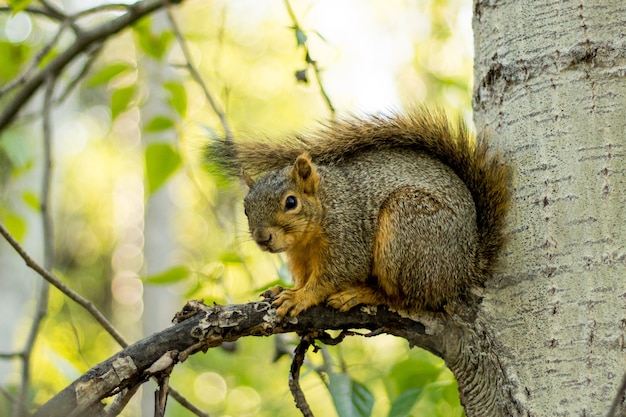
x: 307, y: 258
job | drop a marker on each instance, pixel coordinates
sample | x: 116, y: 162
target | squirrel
x: 405, y: 211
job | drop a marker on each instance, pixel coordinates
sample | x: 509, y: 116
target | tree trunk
x: 550, y: 89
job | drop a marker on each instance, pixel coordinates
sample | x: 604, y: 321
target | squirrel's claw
x: 293, y: 302
x: 287, y: 304
x: 272, y: 292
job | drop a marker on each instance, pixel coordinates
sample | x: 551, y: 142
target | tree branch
x: 294, y: 376
x: 308, y: 59
x: 195, y: 74
x: 211, y: 327
x: 61, y: 286
x: 48, y: 242
x: 87, y: 38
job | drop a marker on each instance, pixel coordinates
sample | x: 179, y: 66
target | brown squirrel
x: 403, y: 211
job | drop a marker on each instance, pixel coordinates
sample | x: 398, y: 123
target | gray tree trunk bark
x: 550, y: 89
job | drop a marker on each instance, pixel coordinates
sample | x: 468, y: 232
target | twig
x: 310, y: 61
x: 187, y: 404
x: 113, y: 7
x: 83, y: 42
x: 10, y: 355
x: 36, y: 10
x: 7, y: 395
x: 71, y: 294
x: 48, y: 242
x: 121, y: 400
x: 93, y: 55
x: 52, y: 9
x: 294, y: 376
x: 87, y: 305
x: 160, y: 396
x: 21, y: 79
x: 196, y: 75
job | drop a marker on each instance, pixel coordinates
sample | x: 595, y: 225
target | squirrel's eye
x: 291, y: 203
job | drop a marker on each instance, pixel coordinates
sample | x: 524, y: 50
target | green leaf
x: 19, y: 5
x: 154, y: 45
x: 107, y: 73
x: 402, y: 405
x: 172, y: 275
x: 161, y: 161
x: 15, y: 225
x: 178, y: 97
x: 120, y: 99
x: 351, y: 398
x: 301, y: 37
x: 16, y: 150
x: 13, y: 57
x: 159, y: 124
x: 32, y: 200
x: 414, y: 373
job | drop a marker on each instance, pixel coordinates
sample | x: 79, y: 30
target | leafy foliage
x: 19, y: 5
x: 161, y: 160
x: 351, y: 398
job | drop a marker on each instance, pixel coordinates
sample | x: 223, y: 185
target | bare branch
x: 196, y: 75
x: 113, y: 7
x: 7, y: 395
x: 310, y: 61
x: 37, y: 11
x: 187, y: 404
x: 60, y: 285
x: 213, y: 326
x: 121, y: 400
x: 98, y: 34
x: 10, y: 355
x: 294, y: 376
x: 21, y: 79
x: 87, y: 305
x: 93, y: 55
x: 48, y: 239
x: 52, y: 9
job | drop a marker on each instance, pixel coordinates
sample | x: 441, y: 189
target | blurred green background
x: 141, y: 226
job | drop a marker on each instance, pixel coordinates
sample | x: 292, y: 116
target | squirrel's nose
x: 262, y: 237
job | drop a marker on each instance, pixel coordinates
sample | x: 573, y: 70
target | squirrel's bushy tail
x: 423, y: 131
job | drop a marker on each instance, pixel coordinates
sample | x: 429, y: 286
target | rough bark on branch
x: 459, y: 341
x: 210, y: 328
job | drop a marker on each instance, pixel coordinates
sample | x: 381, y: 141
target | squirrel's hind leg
x: 405, y: 258
x: 347, y: 299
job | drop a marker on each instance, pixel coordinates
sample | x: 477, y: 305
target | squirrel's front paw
x: 293, y: 302
x: 272, y: 292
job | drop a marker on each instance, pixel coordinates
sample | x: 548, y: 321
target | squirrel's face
x: 282, y: 207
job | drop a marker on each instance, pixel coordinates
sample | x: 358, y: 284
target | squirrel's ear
x: 305, y: 174
x: 247, y: 178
